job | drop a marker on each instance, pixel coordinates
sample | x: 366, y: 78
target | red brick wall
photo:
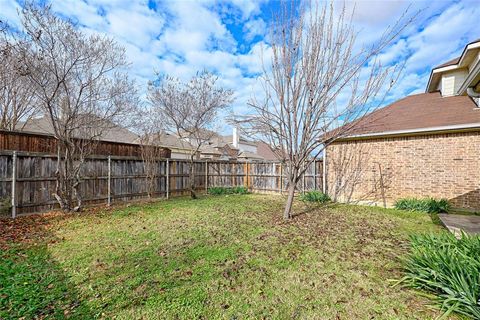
x: 383, y: 170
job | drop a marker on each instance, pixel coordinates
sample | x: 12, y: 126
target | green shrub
x: 240, y: 190
x: 429, y: 205
x: 5, y: 206
x: 217, y: 190
x: 315, y: 196
x: 447, y: 267
x: 227, y: 190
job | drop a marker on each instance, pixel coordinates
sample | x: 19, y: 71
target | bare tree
x: 189, y: 110
x: 16, y: 95
x: 318, y: 78
x: 80, y: 86
x: 150, y: 130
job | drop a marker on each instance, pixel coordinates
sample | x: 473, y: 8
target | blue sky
x: 230, y: 37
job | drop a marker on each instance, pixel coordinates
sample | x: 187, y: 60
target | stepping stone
x: 457, y: 223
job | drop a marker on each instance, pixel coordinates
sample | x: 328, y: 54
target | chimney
x: 236, y: 137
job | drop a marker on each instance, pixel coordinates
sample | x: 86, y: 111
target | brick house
x: 424, y: 145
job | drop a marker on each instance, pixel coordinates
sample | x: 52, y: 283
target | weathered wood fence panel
x: 37, y: 142
x: 35, y: 178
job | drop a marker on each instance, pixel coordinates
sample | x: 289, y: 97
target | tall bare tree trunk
x: 193, y: 195
x: 59, y: 194
x: 288, y: 205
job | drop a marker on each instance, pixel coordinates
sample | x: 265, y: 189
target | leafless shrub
x: 150, y: 129
x: 190, y: 110
x: 80, y: 86
x: 17, y: 102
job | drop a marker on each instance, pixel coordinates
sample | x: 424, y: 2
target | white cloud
x: 248, y: 7
x: 444, y: 36
x: 438, y: 34
x: 253, y: 28
x: 374, y: 12
x: 80, y: 11
x: 181, y: 37
x: 8, y: 12
x: 252, y: 61
x: 142, y: 26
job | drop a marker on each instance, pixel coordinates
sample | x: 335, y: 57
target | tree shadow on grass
x: 311, y: 207
x: 32, y: 284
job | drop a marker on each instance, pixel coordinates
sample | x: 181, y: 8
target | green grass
x: 216, y: 258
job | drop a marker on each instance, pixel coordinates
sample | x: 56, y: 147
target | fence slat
x: 14, y: 184
x: 167, y: 183
x: 109, y: 187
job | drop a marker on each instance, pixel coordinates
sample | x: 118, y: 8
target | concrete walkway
x: 456, y: 222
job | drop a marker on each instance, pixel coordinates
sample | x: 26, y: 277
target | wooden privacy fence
x: 46, y: 143
x: 27, y: 180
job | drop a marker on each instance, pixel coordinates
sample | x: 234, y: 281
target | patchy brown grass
x: 228, y: 257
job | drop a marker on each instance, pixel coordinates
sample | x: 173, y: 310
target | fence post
x: 315, y: 175
x: 281, y: 178
x: 303, y: 178
x: 109, y: 198
x: 167, y: 184
x: 248, y: 182
x: 206, y: 176
x: 14, y: 181
x: 324, y: 173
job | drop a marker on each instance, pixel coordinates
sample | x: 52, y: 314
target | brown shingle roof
x: 448, y: 63
x: 170, y: 141
x: 250, y: 155
x: 113, y: 133
x: 420, y: 111
x: 266, y: 152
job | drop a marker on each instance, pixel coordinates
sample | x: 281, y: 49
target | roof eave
x: 412, y: 132
x: 470, y: 46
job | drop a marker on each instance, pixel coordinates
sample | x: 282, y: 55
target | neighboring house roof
x: 250, y: 155
x: 170, y: 141
x: 208, y: 149
x: 420, y: 112
x: 217, y: 141
x: 242, y: 140
x: 264, y: 150
x: 115, y: 133
x: 203, y: 134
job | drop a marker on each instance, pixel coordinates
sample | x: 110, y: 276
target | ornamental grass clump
x: 315, y: 196
x: 448, y: 268
x: 429, y: 205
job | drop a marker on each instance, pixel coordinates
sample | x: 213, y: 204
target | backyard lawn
x: 219, y: 257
